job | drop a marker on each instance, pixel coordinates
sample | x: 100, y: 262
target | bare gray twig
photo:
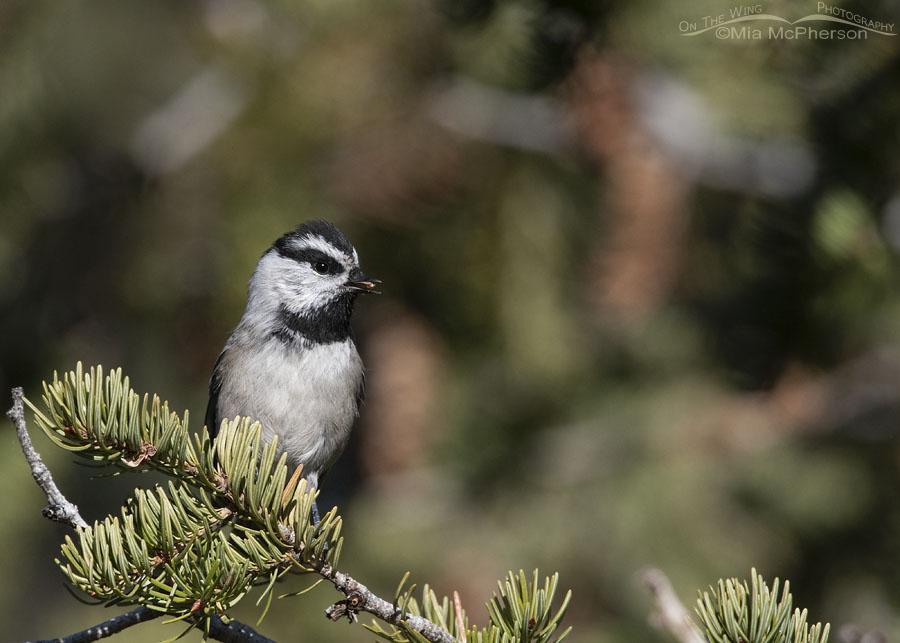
x: 670, y: 614
x: 58, y: 508
x: 363, y: 600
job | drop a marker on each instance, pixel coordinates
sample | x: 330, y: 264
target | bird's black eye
x: 321, y: 267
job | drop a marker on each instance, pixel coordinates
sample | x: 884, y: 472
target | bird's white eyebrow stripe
x: 315, y: 242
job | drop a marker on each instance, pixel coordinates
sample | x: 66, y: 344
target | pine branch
x: 58, y: 508
x: 734, y: 611
x: 522, y: 612
x: 62, y: 510
x: 229, y: 520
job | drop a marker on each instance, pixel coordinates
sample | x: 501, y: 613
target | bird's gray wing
x: 212, y: 409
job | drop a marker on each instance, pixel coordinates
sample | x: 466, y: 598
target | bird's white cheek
x: 311, y: 296
x: 298, y: 294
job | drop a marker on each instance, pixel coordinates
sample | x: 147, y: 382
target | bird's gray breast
x: 306, y: 395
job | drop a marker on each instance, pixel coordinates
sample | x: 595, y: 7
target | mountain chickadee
x: 291, y: 363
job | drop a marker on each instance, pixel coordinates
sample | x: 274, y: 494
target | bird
x: 291, y: 363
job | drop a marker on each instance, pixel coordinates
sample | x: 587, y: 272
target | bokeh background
x: 640, y: 289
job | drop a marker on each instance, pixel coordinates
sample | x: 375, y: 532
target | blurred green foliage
x: 640, y: 288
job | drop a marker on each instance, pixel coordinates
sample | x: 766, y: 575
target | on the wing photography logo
x: 749, y: 22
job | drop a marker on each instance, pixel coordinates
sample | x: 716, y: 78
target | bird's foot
x: 315, y: 519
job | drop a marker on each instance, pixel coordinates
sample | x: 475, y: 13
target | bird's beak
x: 362, y: 283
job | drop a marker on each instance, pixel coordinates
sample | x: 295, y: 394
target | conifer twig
x: 670, y: 614
x: 363, y: 600
x: 58, y: 508
x: 106, y: 420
